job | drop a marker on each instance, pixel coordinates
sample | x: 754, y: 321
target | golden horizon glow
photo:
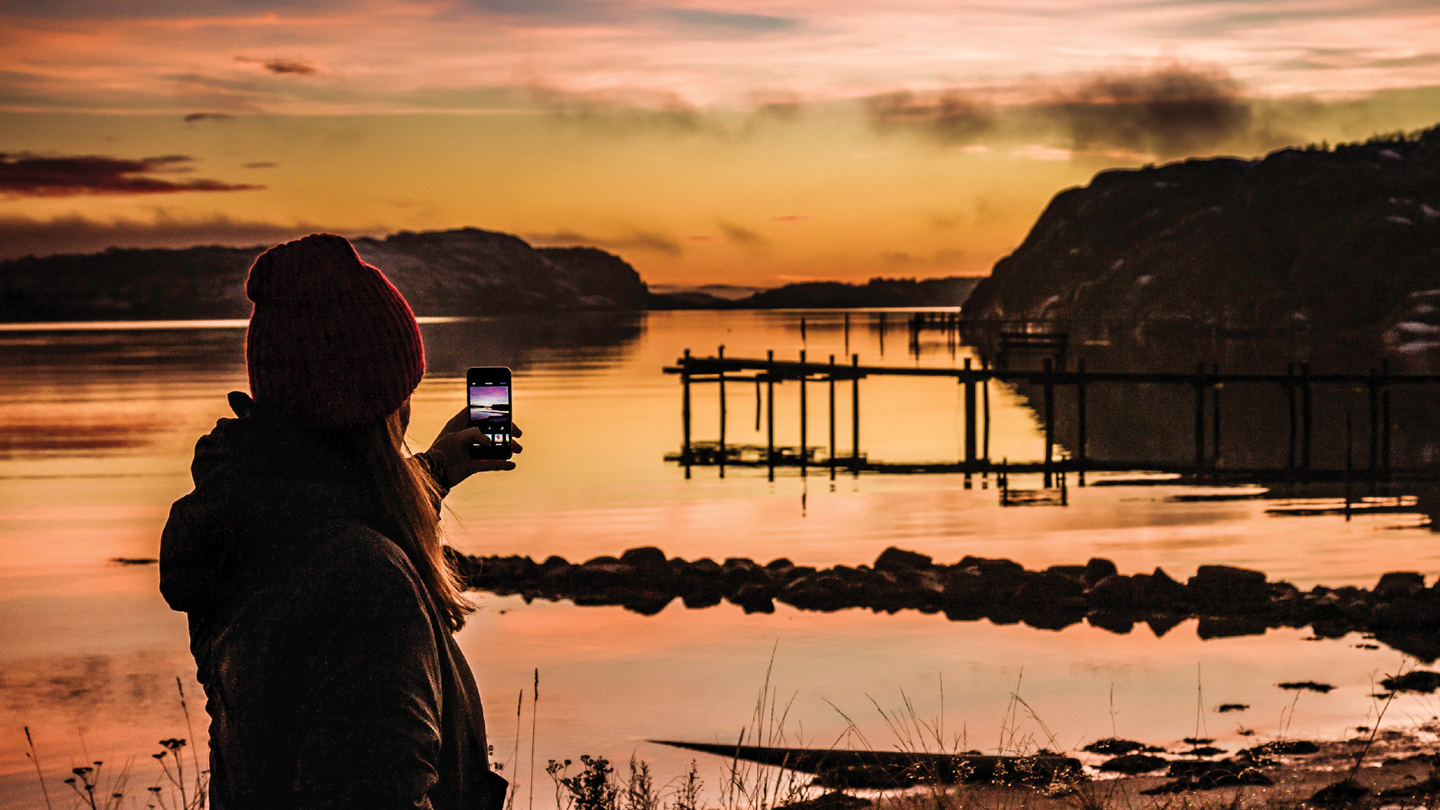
x: 737, y: 143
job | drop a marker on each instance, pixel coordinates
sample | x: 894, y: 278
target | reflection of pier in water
x: 1298, y: 385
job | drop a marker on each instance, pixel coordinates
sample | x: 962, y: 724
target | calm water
x: 97, y: 428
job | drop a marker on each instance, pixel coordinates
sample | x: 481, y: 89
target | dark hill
x: 877, y: 292
x: 1315, y: 236
x: 459, y: 272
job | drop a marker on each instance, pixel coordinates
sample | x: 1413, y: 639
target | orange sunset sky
x: 705, y: 142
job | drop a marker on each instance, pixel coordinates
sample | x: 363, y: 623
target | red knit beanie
x: 331, y: 340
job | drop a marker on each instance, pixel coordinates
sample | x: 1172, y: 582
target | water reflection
x: 99, y: 428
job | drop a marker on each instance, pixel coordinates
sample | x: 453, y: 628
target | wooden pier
x: 1299, y: 384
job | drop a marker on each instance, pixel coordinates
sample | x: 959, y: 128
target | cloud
x: 282, y: 67
x: 1171, y: 111
x: 950, y: 116
x: 635, y: 240
x: 728, y: 21
x: 793, y: 218
x: 742, y: 236
x: 262, y: 164
x: 207, y: 116
x: 25, y: 236
x: 27, y: 175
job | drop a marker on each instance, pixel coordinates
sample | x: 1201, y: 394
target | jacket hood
x: 263, y: 484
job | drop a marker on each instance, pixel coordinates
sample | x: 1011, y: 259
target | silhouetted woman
x: 322, y: 607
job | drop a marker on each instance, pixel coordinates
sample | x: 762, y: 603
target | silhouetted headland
x: 462, y: 272
x: 1400, y: 610
x: 1346, y: 237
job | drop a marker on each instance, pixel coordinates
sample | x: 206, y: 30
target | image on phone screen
x: 489, y: 408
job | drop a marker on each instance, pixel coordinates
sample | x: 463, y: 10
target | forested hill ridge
x: 1348, y: 236
x: 459, y: 272
x: 445, y: 273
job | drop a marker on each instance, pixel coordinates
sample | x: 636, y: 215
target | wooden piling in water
x: 830, y: 459
x: 1049, y: 419
x: 804, y: 419
x: 1080, y: 418
x: 757, y: 404
x: 1349, y: 463
x: 855, y: 415
x: 685, y: 412
x: 970, y: 421
x: 985, y: 364
x: 770, y: 412
x: 720, y: 378
x: 847, y: 333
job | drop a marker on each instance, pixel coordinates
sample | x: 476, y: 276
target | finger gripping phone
x: 489, y: 406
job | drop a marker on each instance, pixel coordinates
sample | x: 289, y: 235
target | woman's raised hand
x: 451, y: 449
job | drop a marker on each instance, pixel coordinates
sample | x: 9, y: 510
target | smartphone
x: 489, y: 404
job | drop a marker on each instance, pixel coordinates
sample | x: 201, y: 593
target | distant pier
x: 1299, y: 385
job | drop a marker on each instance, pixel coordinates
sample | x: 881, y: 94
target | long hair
x: 409, y: 498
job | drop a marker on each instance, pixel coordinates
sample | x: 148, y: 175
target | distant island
x: 1346, y: 238
x: 442, y: 273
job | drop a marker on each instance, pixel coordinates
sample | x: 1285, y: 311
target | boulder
x: 894, y: 559
x: 1097, y: 569
x: 1113, y: 592
x: 1224, y: 588
x: 1399, y: 584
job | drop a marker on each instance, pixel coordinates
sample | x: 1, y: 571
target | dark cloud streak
x: 1172, y: 111
x: 27, y: 175
x: 949, y: 116
x: 637, y: 240
x: 24, y: 236
x: 283, y: 66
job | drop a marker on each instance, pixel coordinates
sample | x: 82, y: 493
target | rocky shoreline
x: 1399, y: 611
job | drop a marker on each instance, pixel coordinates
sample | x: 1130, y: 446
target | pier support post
x: 770, y: 412
x: 970, y: 421
x: 685, y: 410
x: 970, y: 425
x: 720, y: 378
x: 830, y: 459
x: 1049, y: 386
x: 985, y: 393
x: 1080, y: 418
x: 855, y: 415
x: 847, y: 333
x: 1349, y: 462
x: 804, y: 418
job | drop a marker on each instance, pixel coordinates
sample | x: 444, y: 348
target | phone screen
x: 489, y: 403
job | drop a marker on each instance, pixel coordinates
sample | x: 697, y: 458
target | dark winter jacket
x: 332, y: 679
